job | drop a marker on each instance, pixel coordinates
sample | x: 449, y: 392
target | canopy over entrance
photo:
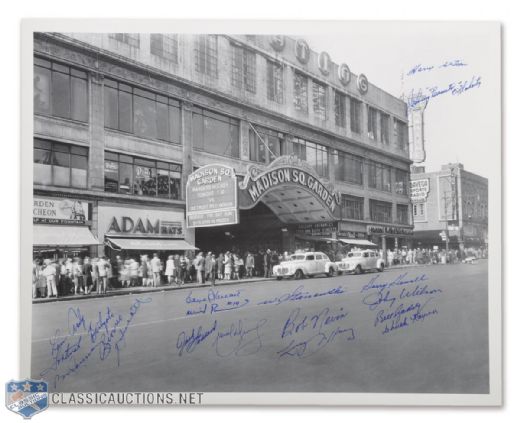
x: 151, y: 244
x: 292, y: 189
x: 61, y: 235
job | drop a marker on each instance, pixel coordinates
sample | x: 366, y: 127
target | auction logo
x: 26, y: 397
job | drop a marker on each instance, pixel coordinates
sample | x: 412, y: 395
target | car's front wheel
x: 358, y: 270
x: 278, y: 278
x: 298, y: 274
x: 330, y: 273
x: 381, y: 267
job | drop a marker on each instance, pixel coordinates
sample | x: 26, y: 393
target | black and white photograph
x: 263, y: 212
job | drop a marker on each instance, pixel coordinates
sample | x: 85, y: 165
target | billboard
x: 211, y: 197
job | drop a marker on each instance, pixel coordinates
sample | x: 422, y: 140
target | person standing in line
x: 49, y: 271
x: 133, y: 269
x: 77, y: 275
x: 35, y: 277
x: 209, y: 265
x: 220, y: 266
x: 143, y: 270
x: 183, y: 271
x: 267, y: 263
x: 156, y: 269
x: 87, y: 275
x: 170, y: 270
x: 228, y: 266
x: 177, y: 269
x: 68, y: 277
x: 102, y: 267
x: 250, y: 264
x: 199, y: 264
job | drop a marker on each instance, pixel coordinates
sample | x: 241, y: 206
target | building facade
x: 122, y: 120
x: 452, y: 201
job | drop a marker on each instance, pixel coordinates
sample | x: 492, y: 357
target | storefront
x: 131, y: 231
x: 61, y: 228
x: 388, y: 237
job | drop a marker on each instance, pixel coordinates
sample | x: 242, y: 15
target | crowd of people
x: 83, y: 276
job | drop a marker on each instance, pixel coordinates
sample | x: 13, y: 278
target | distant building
x: 452, y: 199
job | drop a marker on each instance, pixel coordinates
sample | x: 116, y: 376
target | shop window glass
x: 126, y: 172
x: 42, y: 166
x: 111, y: 175
x: 215, y: 133
x: 78, y: 166
x: 162, y: 122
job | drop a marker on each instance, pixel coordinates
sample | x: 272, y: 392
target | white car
x: 359, y: 261
x: 305, y: 264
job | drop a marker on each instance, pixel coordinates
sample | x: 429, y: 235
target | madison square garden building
x: 164, y: 142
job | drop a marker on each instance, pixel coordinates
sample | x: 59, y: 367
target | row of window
x: 66, y: 165
x: 380, y: 211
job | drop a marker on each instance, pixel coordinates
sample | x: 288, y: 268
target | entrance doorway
x: 259, y: 229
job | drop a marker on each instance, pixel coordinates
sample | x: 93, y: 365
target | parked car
x: 305, y: 264
x: 360, y: 261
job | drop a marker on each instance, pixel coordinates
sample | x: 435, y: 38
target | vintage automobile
x: 359, y: 261
x: 305, y: 264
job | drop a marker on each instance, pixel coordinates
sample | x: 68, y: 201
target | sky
x: 462, y: 124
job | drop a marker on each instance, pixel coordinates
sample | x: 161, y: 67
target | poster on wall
x: 60, y: 211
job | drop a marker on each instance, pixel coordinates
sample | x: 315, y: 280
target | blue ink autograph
x: 72, y: 350
x: 420, y: 68
x: 213, y: 302
x: 423, y: 98
x: 390, y: 301
x: 240, y: 338
x: 310, y: 333
x: 298, y: 295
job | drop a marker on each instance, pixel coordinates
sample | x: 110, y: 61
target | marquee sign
x: 288, y: 170
x: 419, y: 190
x: 211, y: 197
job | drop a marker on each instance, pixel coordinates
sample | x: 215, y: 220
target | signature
x: 298, y: 295
x: 421, y: 68
x: 309, y: 333
x: 213, y: 301
x: 422, y: 97
x: 240, y: 338
x: 401, y: 302
x: 72, y: 350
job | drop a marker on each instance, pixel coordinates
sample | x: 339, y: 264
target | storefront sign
x: 389, y: 230
x: 362, y: 83
x: 259, y: 182
x: 323, y: 229
x: 324, y: 63
x: 134, y: 222
x: 211, y: 196
x: 344, y: 74
x: 419, y: 190
x: 60, y: 211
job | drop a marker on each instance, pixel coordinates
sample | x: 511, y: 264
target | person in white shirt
x: 102, y: 274
x: 49, y: 272
x: 170, y: 269
x: 156, y: 269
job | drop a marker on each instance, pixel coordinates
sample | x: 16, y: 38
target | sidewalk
x: 144, y: 289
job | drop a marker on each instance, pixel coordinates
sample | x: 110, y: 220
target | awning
x: 70, y: 236
x: 314, y: 238
x: 152, y: 244
x: 363, y: 242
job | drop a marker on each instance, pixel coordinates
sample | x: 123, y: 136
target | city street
x: 422, y: 329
